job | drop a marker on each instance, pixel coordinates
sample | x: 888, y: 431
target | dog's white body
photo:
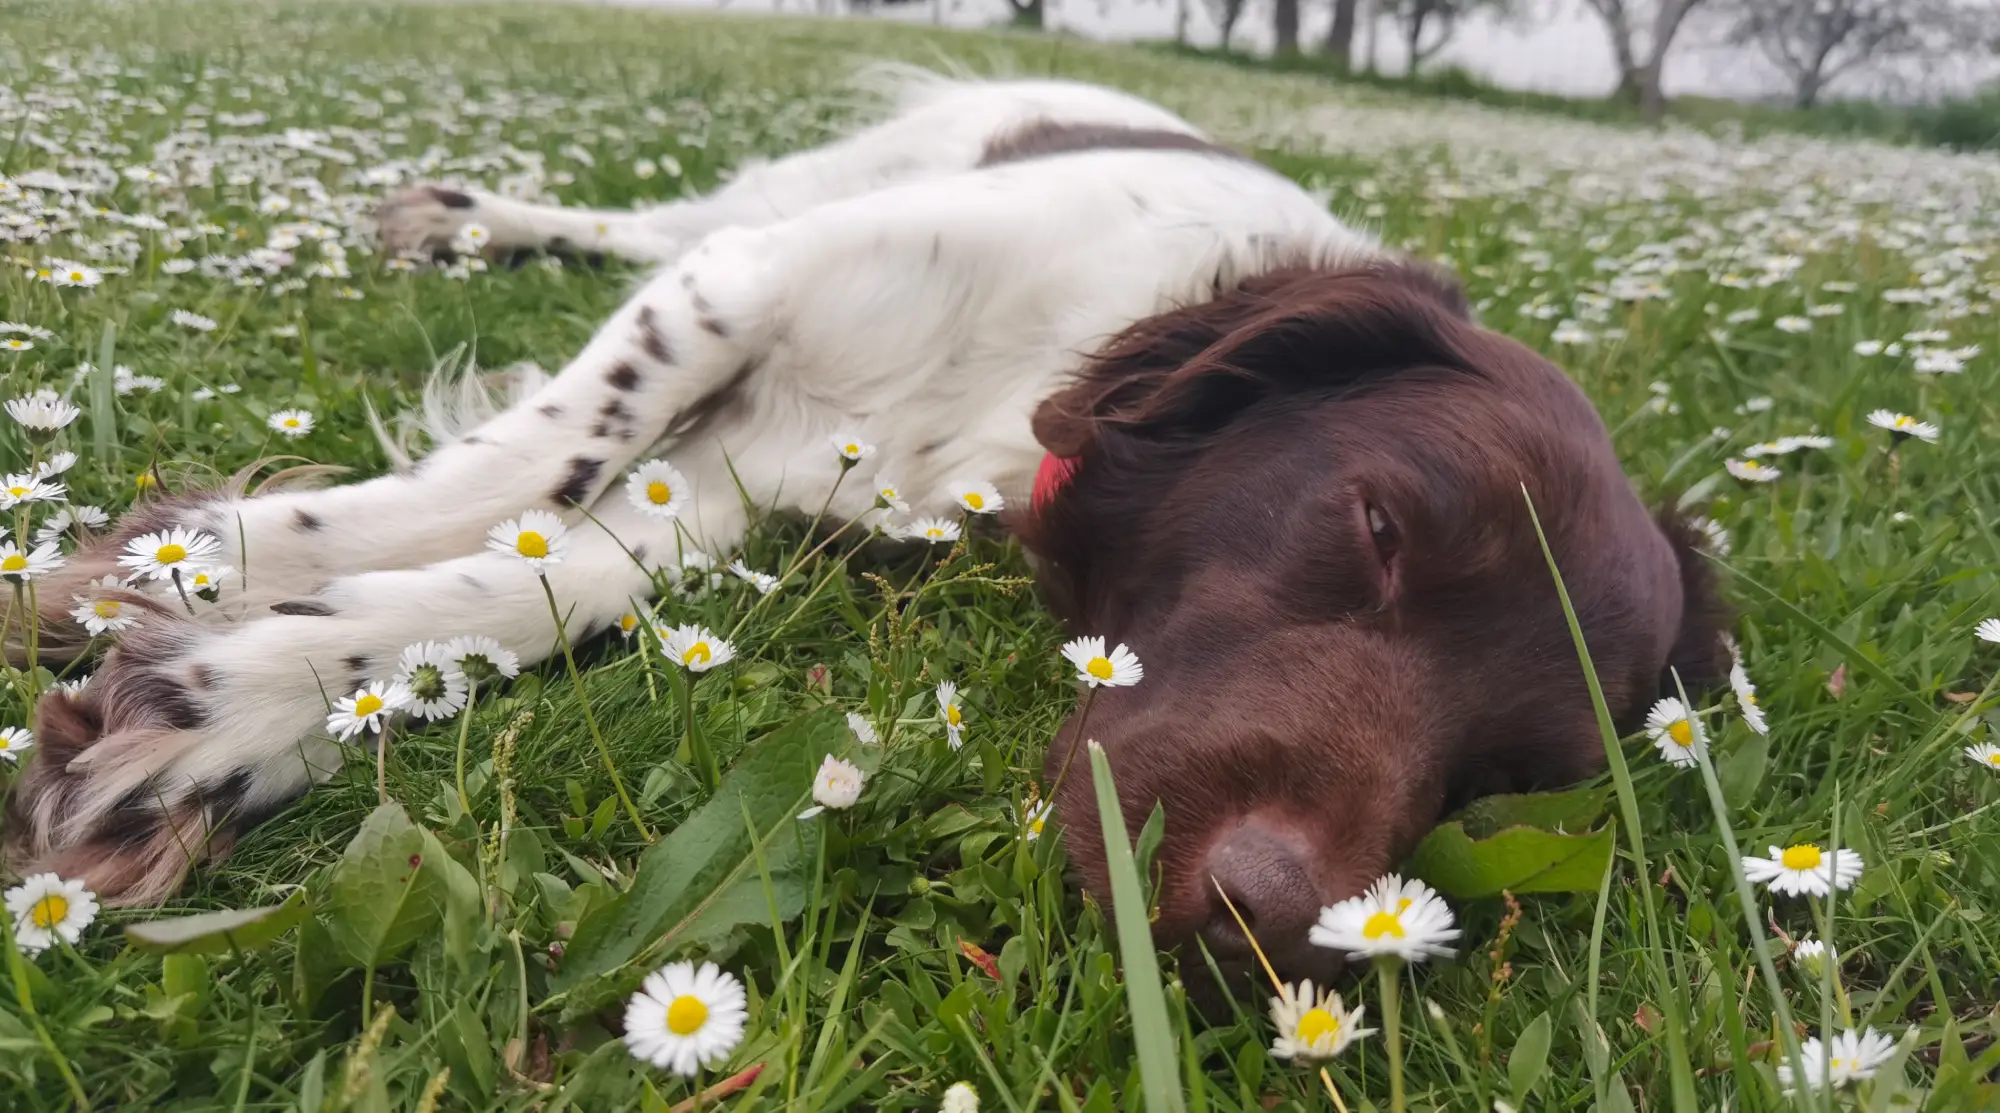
x: 886, y: 286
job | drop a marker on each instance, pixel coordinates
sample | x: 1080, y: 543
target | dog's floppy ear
x: 1699, y: 654
x: 1190, y: 371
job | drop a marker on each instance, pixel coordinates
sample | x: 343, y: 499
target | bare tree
x: 1641, y: 32
x: 1339, y: 45
x: 1427, y: 25
x: 1285, y: 28
x: 1026, y: 13
x: 1815, y: 42
x: 1225, y: 13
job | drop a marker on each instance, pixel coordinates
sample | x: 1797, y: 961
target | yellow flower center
x: 659, y: 493
x: 888, y: 494
x: 50, y: 911
x: 531, y: 544
x: 1381, y: 924
x: 1317, y: 1025
x: 952, y: 716
x: 366, y: 704
x: 1750, y: 699
x: 291, y: 423
x: 852, y: 449
x: 105, y: 608
x: 686, y: 1015
x: 975, y: 500
x: 76, y: 276
x: 13, y: 562
x: 18, y: 492
x: 1802, y: 857
x: 1993, y: 758
x: 1681, y: 733
x: 170, y: 554
x: 697, y: 652
x: 1904, y: 421
x: 144, y: 481
x: 934, y: 533
x: 1035, y: 825
x: 1099, y: 667
x: 628, y: 623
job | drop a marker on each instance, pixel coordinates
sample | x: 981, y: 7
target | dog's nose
x: 1262, y: 867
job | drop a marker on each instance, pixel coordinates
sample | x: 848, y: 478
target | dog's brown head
x: 1302, y: 506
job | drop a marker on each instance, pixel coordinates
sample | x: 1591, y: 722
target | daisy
x: 1394, y: 917
x: 46, y: 908
x: 1903, y: 426
x: 17, y: 566
x: 42, y: 414
x: 932, y: 530
x: 978, y: 497
x: 837, y: 785
x: 959, y: 1097
x: 695, y: 648
x: 864, y: 731
x: 1312, y: 1026
x: 471, y: 238
x: 14, y: 741
x: 76, y: 274
x: 852, y: 449
x: 1750, y: 471
x: 1805, y: 868
x: 954, y: 718
x: 481, y: 657
x: 365, y: 709
x: 1118, y: 669
x: 628, y: 624
x: 1746, y: 696
x: 292, y: 423
x: 683, y: 1018
x: 157, y: 556
x: 764, y: 582
x: 17, y: 489
x: 194, y: 321
x: 16, y: 344
x: 889, y: 496
x: 55, y: 465
x: 1985, y: 753
x: 656, y: 490
x: 1810, y: 954
x: 1988, y: 630
x: 1034, y: 819
x: 430, y: 675
x: 1851, y: 1058
x: 537, y: 537
x: 1793, y: 324
x: 102, y: 615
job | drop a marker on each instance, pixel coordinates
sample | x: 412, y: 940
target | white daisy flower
x: 889, y: 496
x: 1312, y: 1026
x: 1714, y: 533
x: 366, y: 709
x: 954, y: 717
x: 656, y: 490
x: 537, y: 537
x: 1750, y: 471
x: 157, y: 556
x: 1903, y: 426
x: 1394, y: 917
x: 1810, y: 954
x: 471, y: 238
x: 864, y: 731
x: 1804, y: 868
x: 695, y: 648
x: 18, y: 566
x: 684, y: 1018
x: 852, y: 449
x: 431, y: 676
x: 194, y: 321
x: 764, y: 582
x: 1746, y: 697
x: 979, y: 497
x: 1851, y: 1058
x: 481, y: 657
x: 55, y: 465
x: 932, y: 530
x: 14, y: 741
x: 46, y: 908
x: 42, y: 413
x: 202, y: 580
x: 1988, y: 630
x: 837, y: 785
x: 1867, y: 347
x: 24, y: 487
x: 15, y: 344
x: 291, y: 423
x: 102, y: 615
x: 1120, y: 668
x: 959, y: 1097
x: 1985, y: 753
x: 1034, y: 818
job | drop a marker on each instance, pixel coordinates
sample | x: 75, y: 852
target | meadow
x: 185, y: 198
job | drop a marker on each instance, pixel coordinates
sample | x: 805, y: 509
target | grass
x: 921, y: 938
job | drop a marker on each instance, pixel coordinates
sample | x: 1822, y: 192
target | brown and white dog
x: 1294, y: 485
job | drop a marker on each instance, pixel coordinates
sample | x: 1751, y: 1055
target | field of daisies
x: 780, y: 845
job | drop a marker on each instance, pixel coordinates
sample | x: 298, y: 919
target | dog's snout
x: 1264, y: 870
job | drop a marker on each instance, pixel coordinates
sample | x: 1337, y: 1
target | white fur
x: 883, y: 284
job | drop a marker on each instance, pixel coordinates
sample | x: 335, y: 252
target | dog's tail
x: 457, y: 397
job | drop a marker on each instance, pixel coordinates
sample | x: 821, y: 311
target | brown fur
x: 1047, y: 138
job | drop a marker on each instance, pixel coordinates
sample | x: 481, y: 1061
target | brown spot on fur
x: 549, y: 409
x: 451, y: 198
x: 651, y: 338
x: 1049, y: 138
x: 303, y: 608
x: 716, y: 327
x: 306, y: 522
x: 355, y: 662
x: 624, y: 376
x: 576, y: 485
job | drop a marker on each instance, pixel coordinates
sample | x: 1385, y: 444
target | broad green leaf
x: 1571, y: 812
x: 1743, y: 770
x: 1530, y: 1057
x: 1519, y: 859
x: 387, y: 892
x: 234, y: 929
x: 701, y: 882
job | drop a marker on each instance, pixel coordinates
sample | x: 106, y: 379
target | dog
x: 1282, y: 463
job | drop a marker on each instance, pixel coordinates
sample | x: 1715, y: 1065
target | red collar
x: 1054, y: 474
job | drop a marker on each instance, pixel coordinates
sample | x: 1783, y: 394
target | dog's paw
x: 156, y: 764
x: 426, y: 220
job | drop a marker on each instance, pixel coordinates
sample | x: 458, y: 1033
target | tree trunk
x: 1027, y: 13
x: 1806, y: 90
x: 1285, y: 24
x: 1340, y: 38
x: 1232, y: 10
x: 1652, y: 98
x: 1413, y: 33
x: 1181, y: 23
